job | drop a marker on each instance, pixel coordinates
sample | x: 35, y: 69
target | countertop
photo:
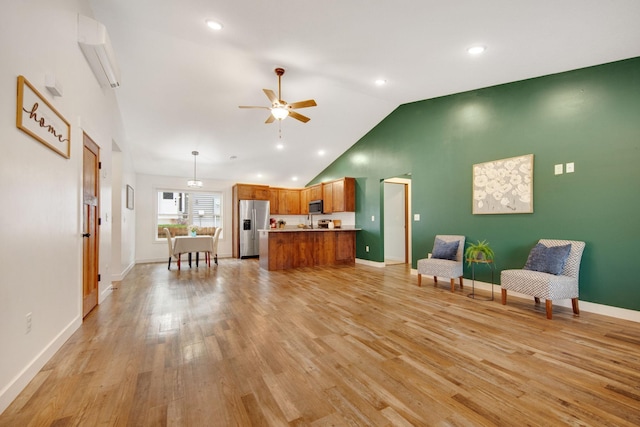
x: 298, y: 229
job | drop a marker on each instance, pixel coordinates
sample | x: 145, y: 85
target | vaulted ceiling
x: 182, y: 83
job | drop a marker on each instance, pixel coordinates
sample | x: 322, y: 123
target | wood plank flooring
x: 235, y: 345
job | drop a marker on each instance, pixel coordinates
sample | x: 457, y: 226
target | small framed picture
x: 129, y: 197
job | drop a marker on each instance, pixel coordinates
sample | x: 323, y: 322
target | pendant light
x: 194, y: 182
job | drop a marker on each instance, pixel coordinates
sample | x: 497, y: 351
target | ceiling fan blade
x: 252, y: 106
x: 271, y: 95
x: 298, y: 116
x: 270, y: 119
x: 303, y: 104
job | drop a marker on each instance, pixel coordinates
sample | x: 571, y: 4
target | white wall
x: 41, y: 249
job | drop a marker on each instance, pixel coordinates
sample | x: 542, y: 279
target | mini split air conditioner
x: 96, y: 46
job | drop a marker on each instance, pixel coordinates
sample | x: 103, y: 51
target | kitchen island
x: 285, y: 248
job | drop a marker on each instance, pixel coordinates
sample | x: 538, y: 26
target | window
x: 177, y: 210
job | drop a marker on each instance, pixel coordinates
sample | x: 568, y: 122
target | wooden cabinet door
x: 252, y: 192
x: 338, y: 195
x: 274, y: 204
x: 327, y: 197
x: 305, y: 198
x: 315, y: 192
x: 289, y: 202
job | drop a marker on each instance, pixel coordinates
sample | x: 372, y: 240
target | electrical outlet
x: 366, y: 248
x: 28, y: 320
x: 416, y: 217
x: 558, y: 169
x: 373, y: 218
x: 570, y: 167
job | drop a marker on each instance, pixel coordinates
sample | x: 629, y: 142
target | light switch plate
x: 373, y: 218
x: 570, y: 167
x: 416, y: 217
x: 558, y: 169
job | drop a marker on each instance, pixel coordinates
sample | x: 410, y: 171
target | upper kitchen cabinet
x: 309, y: 194
x: 285, y: 201
x: 251, y: 192
x: 339, y: 195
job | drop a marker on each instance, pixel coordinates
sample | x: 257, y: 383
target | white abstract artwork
x: 503, y: 186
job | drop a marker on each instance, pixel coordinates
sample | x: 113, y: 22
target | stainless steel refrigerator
x: 253, y: 216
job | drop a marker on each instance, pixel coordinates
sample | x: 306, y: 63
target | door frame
x: 90, y: 226
x: 407, y: 212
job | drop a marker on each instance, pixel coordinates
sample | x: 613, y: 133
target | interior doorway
x: 396, y: 226
x: 90, y: 223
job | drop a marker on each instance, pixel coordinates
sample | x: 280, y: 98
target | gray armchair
x: 544, y: 282
x: 450, y: 266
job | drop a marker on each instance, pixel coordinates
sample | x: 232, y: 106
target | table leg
x: 197, y: 258
x: 189, y: 259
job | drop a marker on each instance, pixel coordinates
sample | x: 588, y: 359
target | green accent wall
x: 589, y: 116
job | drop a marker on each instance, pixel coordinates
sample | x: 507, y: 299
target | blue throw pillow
x: 445, y: 250
x: 548, y: 260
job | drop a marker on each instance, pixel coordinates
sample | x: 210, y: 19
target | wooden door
x: 90, y: 226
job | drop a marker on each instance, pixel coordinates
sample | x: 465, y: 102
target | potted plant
x: 281, y: 223
x: 479, y: 251
x: 193, y: 229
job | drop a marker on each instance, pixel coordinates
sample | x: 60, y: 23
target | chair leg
x: 169, y: 267
x: 574, y: 304
x: 419, y: 279
x: 435, y: 280
x: 215, y: 258
x: 549, y: 306
x: 461, y: 283
x: 453, y: 284
x: 537, y: 300
x: 504, y: 296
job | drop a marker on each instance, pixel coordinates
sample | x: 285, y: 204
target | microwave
x: 315, y: 207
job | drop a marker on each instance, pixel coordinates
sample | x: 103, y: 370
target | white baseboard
x: 589, y: 307
x: 22, y: 379
x: 121, y: 276
x: 370, y: 263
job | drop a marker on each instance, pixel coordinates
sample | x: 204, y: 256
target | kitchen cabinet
x: 289, y: 201
x: 251, y: 192
x: 273, y: 201
x: 339, y: 195
x: 309, y: 194
x: 285, y: 201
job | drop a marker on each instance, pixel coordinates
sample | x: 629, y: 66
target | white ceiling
x: 182, y: 83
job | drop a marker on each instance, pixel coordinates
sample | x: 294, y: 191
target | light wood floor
x: 235, y: 345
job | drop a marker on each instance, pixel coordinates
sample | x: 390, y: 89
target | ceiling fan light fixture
x: 195, y: 182
x: 279, y: 112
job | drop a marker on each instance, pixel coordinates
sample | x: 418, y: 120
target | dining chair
x: 167, y: 234
x: 216, y: 235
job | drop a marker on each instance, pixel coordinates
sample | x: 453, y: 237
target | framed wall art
x: 503, y: 186
x: 129, y: 197
x: 38, y: 119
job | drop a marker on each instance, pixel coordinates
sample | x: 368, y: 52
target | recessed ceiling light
x: 295, y: 178
x: 280, y: 146
x: 321, y: 153
x: 233, y: 157
x: 381, y: 82
x: 214, y: 25
x: 475, y: 50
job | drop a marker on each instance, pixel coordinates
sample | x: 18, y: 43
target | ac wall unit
x: 96, y: 46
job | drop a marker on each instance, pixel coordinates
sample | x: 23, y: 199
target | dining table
x: 190, y: 244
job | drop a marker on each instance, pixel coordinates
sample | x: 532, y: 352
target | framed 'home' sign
x: 38, y: 119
